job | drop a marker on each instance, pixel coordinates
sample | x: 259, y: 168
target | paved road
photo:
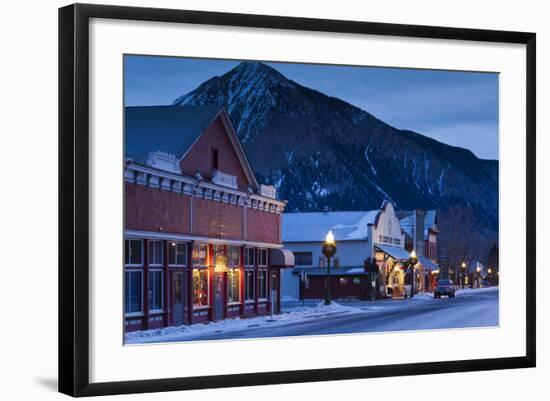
x: 472, y: 310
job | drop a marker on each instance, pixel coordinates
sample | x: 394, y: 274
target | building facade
x: 364, y: 239
x: 202, y: 237
x: 421, y: 232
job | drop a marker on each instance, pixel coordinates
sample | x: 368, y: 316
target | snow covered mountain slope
x: 320, y: 151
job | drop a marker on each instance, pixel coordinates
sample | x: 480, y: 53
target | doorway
x: 219, y: 296
x: 179, y: 285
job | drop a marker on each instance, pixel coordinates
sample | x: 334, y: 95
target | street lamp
x: 477, y: 276
x: 489, y: 272
x: 412, y: 262
x: 329, y: 249
x: 462, y: 274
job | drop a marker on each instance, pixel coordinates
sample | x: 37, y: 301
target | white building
x: 359, y: 235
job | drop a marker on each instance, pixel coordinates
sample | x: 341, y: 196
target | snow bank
x: 182, y: 333
x: 474, y: 291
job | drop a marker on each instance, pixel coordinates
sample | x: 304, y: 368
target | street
x: 470, y: 308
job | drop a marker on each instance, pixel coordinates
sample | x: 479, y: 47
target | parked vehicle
x: 444, y: 287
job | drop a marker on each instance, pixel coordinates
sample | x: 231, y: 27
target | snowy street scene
x: 471, y: 308
x: 276, y: 199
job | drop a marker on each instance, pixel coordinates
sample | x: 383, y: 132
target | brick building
x: 202, y: 236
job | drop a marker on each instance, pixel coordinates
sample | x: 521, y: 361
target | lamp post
x: 329, y: 249
x: 412, y: 262
x: 489, y: 271
x: 462, y: 273
x: 477, y: 276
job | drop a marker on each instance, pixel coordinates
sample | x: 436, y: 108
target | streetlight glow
x: 413, y: 254
x: 330, y: 238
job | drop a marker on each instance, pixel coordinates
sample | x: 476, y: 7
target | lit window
x: 233, y: 286
x: 322, y: 262
x: 155, y: 253
x: 155, y: 290
x: 356, y: 281
x: 199, y: 254
x: 200, y: 287
x: 133, y: 252
x: 177, y: 253
x: 343, y: 281
x: 233, y: 256
x: 133, y: 288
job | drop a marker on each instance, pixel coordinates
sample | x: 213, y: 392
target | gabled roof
x: 170, y: 129
x: 174, y: 130
x: 314, y: 226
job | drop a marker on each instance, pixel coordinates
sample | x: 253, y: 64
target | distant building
x: 202, y: 236
x: 421, y: 232
x: 360, y: 236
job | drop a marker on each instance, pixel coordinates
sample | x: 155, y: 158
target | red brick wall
x: 151, y: 209
x: 200, y: 156
x: 217, y: 220
x: 263, y: 226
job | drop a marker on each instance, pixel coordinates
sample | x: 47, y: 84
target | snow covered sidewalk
x: 182, y: 333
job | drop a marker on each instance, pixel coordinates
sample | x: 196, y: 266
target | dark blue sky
x: 458, y: 108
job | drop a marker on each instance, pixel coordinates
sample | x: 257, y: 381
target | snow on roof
x: 170, y: 129
x: 427, y: 263
x: 314, y: 226
x: 407, y: 221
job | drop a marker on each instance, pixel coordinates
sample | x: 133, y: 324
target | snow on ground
x: 320, y: 310
x: 433, y: 315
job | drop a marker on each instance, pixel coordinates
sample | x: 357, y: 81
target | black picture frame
x: 74, y: 198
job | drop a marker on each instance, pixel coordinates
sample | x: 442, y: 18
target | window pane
x: 249, y: 257
x: 303, y: 258
x: 233, y: 256
x: 262, y: 283
x: 200, y: 287
x: 133, y: 252
x: 155, y: 290
x: 249, y: 284
x: 233, y: 286
x: 155, y: 252
x: 181, y: 254
x: 132, y: 291
x: 199, y: 254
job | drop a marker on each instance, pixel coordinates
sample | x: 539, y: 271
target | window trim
x: 142, y: 311
x: 141, y: 264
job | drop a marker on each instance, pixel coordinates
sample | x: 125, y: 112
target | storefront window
x: 177, y: 253
x: 155, y: 290
x: 322, y: 262
x: 233, y: 256
x: 262, y: 283
x: 200, y: 253
x: 233, y: 286
x: 200, y: 287
x: 343, y: 281
x: 249, y: 284
x: 133, y: 288
x: 133, y: 252
x: 155, y: 253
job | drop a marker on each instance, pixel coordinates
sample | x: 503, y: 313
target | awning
x: 427, y: 263
x: 394, y: 252
x: 281, y: 258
